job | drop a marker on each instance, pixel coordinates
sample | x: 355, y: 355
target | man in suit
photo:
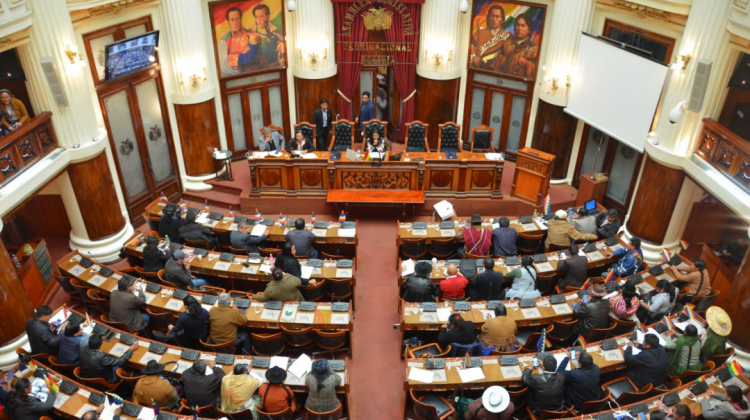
x: 366, y: 112
x: 581, y: 384
x: 42, y: 337
x: 546, y: 389
x: 97, y: 364
x: 271, y: 141
x: 489, y: 284
x: 574, y: 268
x: 648, y: 366
x: 242, y: 239
x: 322, y: 118
x: 594, y: 314
x: 126, y: 306
x: 607, y: 224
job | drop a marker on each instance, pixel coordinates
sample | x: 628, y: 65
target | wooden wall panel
x: 554, y: 132
x: 706, y: 223
x: 738, y: 306
x: 43, y: 216
x: 14, y: 300
x: 309, y: 92
x: 654, y: 201
x: 199, y: 135
x: 95, y: 192
x: 437, y: 103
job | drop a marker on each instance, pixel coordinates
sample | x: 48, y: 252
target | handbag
x: 461, y: 403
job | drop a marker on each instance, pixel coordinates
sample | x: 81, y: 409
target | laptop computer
x: 590, y: 205
x: 352, y: 155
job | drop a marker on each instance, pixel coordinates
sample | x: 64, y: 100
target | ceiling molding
x: 644, y: 8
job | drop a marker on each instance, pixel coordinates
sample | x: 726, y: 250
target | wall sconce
x: 194, y: 78
x: 438, y: 57
x: 681, y: 61
x: 291, y: 5
x: 567, y: 84
x: 463, y: 6
x: 313, y: 55
x: 73, y: 55
x: 554, y: 83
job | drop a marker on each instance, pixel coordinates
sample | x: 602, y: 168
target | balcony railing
x: 22, y: 148
x: 725, y: 151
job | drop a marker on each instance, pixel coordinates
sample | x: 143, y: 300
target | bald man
x: 454, y: 286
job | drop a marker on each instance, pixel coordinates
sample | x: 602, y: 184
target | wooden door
x: 140, y: 136
x: 706, y: 223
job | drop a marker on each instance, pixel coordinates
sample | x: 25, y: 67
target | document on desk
x: 118, y: 350
x: 487, y: 314
x: 595, y: 256
x: 560, y: 357
x: 683, y: 325
x: 447, y: 232
x: 182, y: 365
x: 493, y: 156
x: 662, y: 341
x: 471, y: 374
x: 544, y: 267
x: 407, y: 267
x: 736, y: 381
x: 97, y: 280
x: 301, y: 366
x: 340, y: 319
x: 343, y: 272
x: 61, y: 399
x: 174, y: 304
x: 250, y: 270
x: 419, y: 232
x: 439, y: 375
x: 309, y: 156
x: 270, y: 314
x: 148, y: 357
x: 562, y: 309
x: 280, y: 361
x: 76, y: 271
x: 289, y: 312
x: 531, y: 313
x: 428, y: 317
x: 258, y: 230
x: 613, y: 355
x: 320, y: 232
x: 305, y: 318
x: 347, y: 233
x: 421, y: 375
x: 443, y: 314
x: 510, y: 371
x: 222, y: 265
x: 307, y: 271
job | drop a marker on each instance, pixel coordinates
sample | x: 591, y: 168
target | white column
x: 440, y: 33
x: 705, y: 38
x: 312, y: 33
x: 50, y: 36
x: 569, y: 18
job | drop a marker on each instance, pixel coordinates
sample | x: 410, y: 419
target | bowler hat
x: 276, y: 375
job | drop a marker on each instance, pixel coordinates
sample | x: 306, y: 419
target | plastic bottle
x: 15, y: 261
x: 166, y: 241
x: 535, y: 213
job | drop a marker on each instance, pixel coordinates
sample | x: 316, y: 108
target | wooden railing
x: 725, y: 151
x: 21, y: 148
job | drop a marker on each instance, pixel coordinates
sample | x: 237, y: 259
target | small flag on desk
x: 547, y: 205
x: 155, y: 406
x: 582, y: 342
x: 735, y: 368
x: 88, y: 319
x: 701, y: 379
x: 313, y: 217
x: 467, y: 360
x: 666, y: 255
x: 282, y: 220
x: 258, y: 218
x: 208, y: 208
x: 667, y: 322
x: 543, y: 342
x: 586, y: 284
x: 231, y: 211
x: 183, y: 205
x: 610, y: 276
x: 684, y: 244
x: 65, y: 311
x: 342, y: 217
x: 51, y: 383
x: 640, y: 327
x: 689, y: 310
x: 163, y: 198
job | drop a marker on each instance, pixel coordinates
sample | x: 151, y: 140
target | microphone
x: 571, y: 198
x: 432, y: 218
x: 412, y: 213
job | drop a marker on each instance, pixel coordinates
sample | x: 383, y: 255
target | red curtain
x: 349, y: 62
x: 405, y: 66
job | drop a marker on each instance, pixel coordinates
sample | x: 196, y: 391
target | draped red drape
x: 405, y: 66
x: 349, y: 62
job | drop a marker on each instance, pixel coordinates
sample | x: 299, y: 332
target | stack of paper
x: 470, y: 374
x: 421, y: 375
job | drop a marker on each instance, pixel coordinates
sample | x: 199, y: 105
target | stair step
x: 224, y: 187
x: 214, y: 198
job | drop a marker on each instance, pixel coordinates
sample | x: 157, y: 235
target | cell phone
x: 247, y: 369
x: 573, y: 355
x: 9, y: 376
x: 536, y: 362
x: 585, y: 298
x: 57, y: 323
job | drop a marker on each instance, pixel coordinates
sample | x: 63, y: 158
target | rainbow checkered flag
x: 342, y: 217
x: 586, y: 284
x: 735, y: 368
x: 467, y: 360
x: 547, y: 205
x: 640, y: 327
x: 610, y: 276
x: 163, y: 198
x: 582, y: 342
x: 183, y: 205
x: 667, y: 322
x: 208, y: 208
x: 313, y: 217
x: 258, y: 218
x: 543, y: 342
x: 666, y: 255
x: 282, y: 220
x: 638, y: 260
x: 684, y: 244
x: 88, y: 319
x: 689, y: 310
x: 51, y: 383
x: 231, y: 211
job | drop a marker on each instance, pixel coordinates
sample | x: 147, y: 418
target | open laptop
x: 590, y: 205
x: 352, y: 155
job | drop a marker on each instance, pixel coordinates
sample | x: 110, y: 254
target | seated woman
x: 23, y: 405
x: 457, y: 330
x: 300, y: 143
x: 683, y: 351
x: 524, y: 281
x: 274, y: 395
x: 287, y: 261
x: 284, y: 287
x: 322, y: 383
x: 661, y: 304
x: 731, y: 406
x: 14, y: 110
x: 626, y: 303
x: 237, y: 391
x: 499, y: 333
x: 154, y: 258
x: 375, y: 144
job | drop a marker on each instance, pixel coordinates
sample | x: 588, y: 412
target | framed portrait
x: 248, y: 36
x: 506, y: 37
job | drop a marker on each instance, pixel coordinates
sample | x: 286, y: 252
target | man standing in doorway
x: 366, y: 112
x: 322, y: 118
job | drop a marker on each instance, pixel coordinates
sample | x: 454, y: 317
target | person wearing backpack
x: 494, y: 405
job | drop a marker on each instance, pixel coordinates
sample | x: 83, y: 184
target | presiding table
x: 313, y: 174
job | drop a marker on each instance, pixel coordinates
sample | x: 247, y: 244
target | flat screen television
x: 132, y: 54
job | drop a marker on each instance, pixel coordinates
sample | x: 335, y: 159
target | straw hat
x: 719, y: 321
x: 495, y: 399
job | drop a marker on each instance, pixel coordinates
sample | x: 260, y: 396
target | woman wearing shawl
x: 322, y: 383
x: 683, y: 351
x: 499, y: 333
x: 237, y: 390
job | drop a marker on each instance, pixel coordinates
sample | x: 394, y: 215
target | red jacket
x: 453, y: 287
x: 477, y: 241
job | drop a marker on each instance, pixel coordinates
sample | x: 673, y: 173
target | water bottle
x: 15, y: 261
x: 166, y: 241
x: 535, y: 213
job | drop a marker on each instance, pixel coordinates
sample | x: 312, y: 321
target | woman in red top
x: 625, y: 304
x: 274, y: 395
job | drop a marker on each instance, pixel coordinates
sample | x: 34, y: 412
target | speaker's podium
x: 532, y: 176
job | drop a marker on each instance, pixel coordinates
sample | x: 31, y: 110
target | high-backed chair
x: 529, y: 243
x: 432, y: 349
x: 590, y: 407
x: 298, y: 338
x: 66, y: 370
x: 481, y: 139
x: 619, y: 386
x: 343, y: 136
x: 116, y: 325
x: 562, y: 333
x: 413, y: 248
x: 152, y: 277
x: 372, y: 126
x: 431, y: 407
x: 81, y: 288
x: 416, y: 137
x: 129, y: 377
x: 267, y: 344
x: 449, y: 137
x: 281, y: 415
x: 275, y: 128
x: 330, y: 340
x: 153, y: 221
x: 98, y: 384
x: 227, y: 347
x: 314, y: 293
x: 198, y: 244
x: 720, y: 359
x: 334, y: 414
x: 547, y: 414
x: 64, y: 282
x: 308, y: 131
x: 340, y: 290
x: 598, y: 334
x: 691, y: 375
x: 101, y: 303
x: 442, y: 248
x: 160, y: 321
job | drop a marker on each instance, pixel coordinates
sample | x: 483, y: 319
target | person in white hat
x: 560, y: 232
x: 495, y: 404
x: 719, y: 328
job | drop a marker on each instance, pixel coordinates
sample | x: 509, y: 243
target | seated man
x: 454, y: 286
x: 574, y: 268
x: 648, y: 366
x: 419, y: 287
x: 697, y: 278
x: 97, y: 364
x: 581, y: 384
x: 226, y: 322
x: 302, y: 239
x: 546, y: 390
x: 201, y: 389
x: 583, y: 222
x: 607, y: 224
x: 242, y: 239
x: 70, y: 345
x: 126, y: 305
x: 152, y: 387
x: 42, y: 337
x: 195, y: 232
x: 475, y: 239
x: 504, y: 239
x: 488, y: 285
x: 632, y: 262
x: 178, y: 272
x: 560, y: 232
x: 271, y: 141
x: 457, y: 330
x: 594, y: 314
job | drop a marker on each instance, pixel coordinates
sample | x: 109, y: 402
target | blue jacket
x: 626, y: 265
x: 581, y: 385
x: 366, y: 113
x: 648, y: 366
x: 69, y: 348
